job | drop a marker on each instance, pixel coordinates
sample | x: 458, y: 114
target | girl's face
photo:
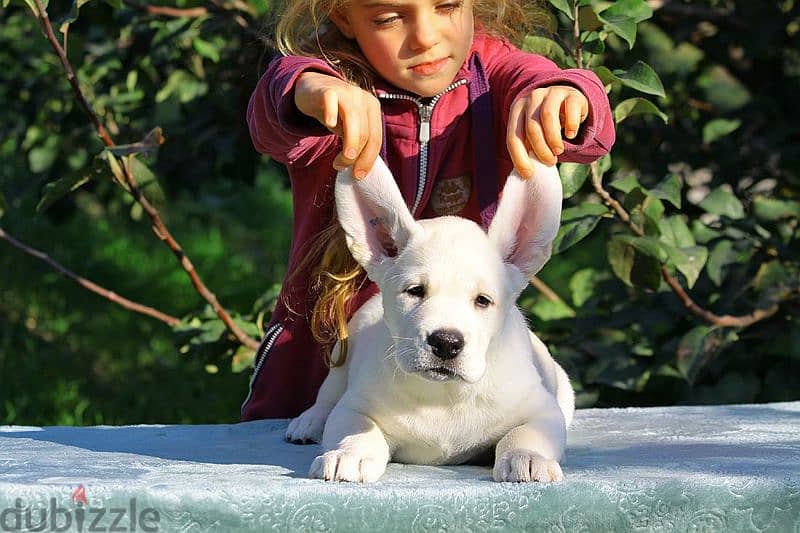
x: 417, y: 45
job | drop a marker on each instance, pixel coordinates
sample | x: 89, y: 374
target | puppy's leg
x: 565, y: 395
x: 554, y: 377
x: 308, y: 426
x: 531, y: 452
x: 358, y: 450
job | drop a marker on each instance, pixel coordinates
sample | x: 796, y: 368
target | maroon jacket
x: 448, y: 155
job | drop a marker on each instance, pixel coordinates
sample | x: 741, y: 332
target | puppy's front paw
x: 525, y: 465
x: 347, y: 465
x: 308, y: 427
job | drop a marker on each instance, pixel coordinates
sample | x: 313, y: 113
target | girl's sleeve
x: 277, y: 127
x: 513, y: 73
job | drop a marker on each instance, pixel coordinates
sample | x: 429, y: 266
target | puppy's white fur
x: 497, y: 389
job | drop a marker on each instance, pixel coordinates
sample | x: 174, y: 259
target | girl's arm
x: 277, y: 127
x: 301, y: 105
x: 514, y: 74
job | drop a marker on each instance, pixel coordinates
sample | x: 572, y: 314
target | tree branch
x: 196, y: 12
x: 674, y: 284
x: 90, y: 285
x: 546, y: 291
x: 157, y: 224
x: 167, y: 11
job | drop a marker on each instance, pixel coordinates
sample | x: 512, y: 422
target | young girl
x: 434, y: 87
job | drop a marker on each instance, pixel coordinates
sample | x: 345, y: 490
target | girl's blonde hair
x: 305, y: 28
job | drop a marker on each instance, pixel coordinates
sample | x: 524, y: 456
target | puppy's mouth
x: 440, y: 373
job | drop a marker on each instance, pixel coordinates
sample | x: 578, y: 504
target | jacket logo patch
x: 450, y: 195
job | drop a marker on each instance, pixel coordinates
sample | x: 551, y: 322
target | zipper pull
x: 425, y: 112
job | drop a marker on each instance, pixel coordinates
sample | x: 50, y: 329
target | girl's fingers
x: 515, y: 135
x: 372, y: 148
x: 550, y: 122
x: 330, y: 109
x: 575, y: 110
x: 352, y: 125
x: 536, y: 138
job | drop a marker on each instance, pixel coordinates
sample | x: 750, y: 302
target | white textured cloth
x: 709, y: 468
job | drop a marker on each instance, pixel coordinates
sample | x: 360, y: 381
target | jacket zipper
x: 425, y: 109
x: 261, y: 355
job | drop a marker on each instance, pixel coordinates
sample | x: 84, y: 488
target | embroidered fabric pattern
x: 705, y: 468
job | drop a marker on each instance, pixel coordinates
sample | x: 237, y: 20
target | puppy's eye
x: 418, y: 291
x: 483, y: 301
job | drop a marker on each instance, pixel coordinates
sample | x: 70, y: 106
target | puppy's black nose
x: 446, y: 343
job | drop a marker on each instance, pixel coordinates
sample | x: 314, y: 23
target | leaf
x: 770, y: 209
x: 653, y: 209
x: 619, y: 371
x: 577, y: 223
x: 645, y: 272
x: 637, y: 106
x: 649, y: 246
x: 626, y: 184
x: 723, y: 202
x: 642, y: 78
x: 638, y: 10
x: 632, y: 266
x: 31, y: 5
x: 669, y: 189
x: 675, y: 232
x: 242, y: 359
x: 606, y: 76
x: 564, y: 6
x: 206, y: 49
x: 718, y: 128
x: 41, y: 158
x: 546, y: 47
x: 582, y: 285
x: 699, y: 346
x: 689, y: 261
x: 620, y: 257
x: 721, y: 256
x: 587, y: 18
x: 55, y: 190
x: 723, y: 90
x: 549, y: 310
x: 3, y: 204
x: 621, y: 25
x: 593, y: 43
x: 70, y: 16
x: 573, y: 176
x: 771, y: 274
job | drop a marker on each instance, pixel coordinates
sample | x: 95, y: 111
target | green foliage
x: 705, y: 166
x: 707, y: 198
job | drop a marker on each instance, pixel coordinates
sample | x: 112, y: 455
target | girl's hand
x: 535, y: 122
x: 351, y: 113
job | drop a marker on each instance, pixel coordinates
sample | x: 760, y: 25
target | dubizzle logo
x: 79, y: 495
x: 53, y: 517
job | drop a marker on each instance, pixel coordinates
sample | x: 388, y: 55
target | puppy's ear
x: 527, y: 218
x: 374, y: 216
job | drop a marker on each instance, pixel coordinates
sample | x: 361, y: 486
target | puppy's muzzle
x: 446, y: 343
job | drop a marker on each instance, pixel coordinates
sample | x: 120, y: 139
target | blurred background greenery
x: 731, y: 75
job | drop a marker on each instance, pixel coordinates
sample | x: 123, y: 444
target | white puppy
x: 441, y: 366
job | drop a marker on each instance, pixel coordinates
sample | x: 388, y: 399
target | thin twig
x: 157, y: 224
x: 576, y: 32
x: 213, y: 8
x: 546, y: 291
x: 90, y: 285
x: 192, y: 12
